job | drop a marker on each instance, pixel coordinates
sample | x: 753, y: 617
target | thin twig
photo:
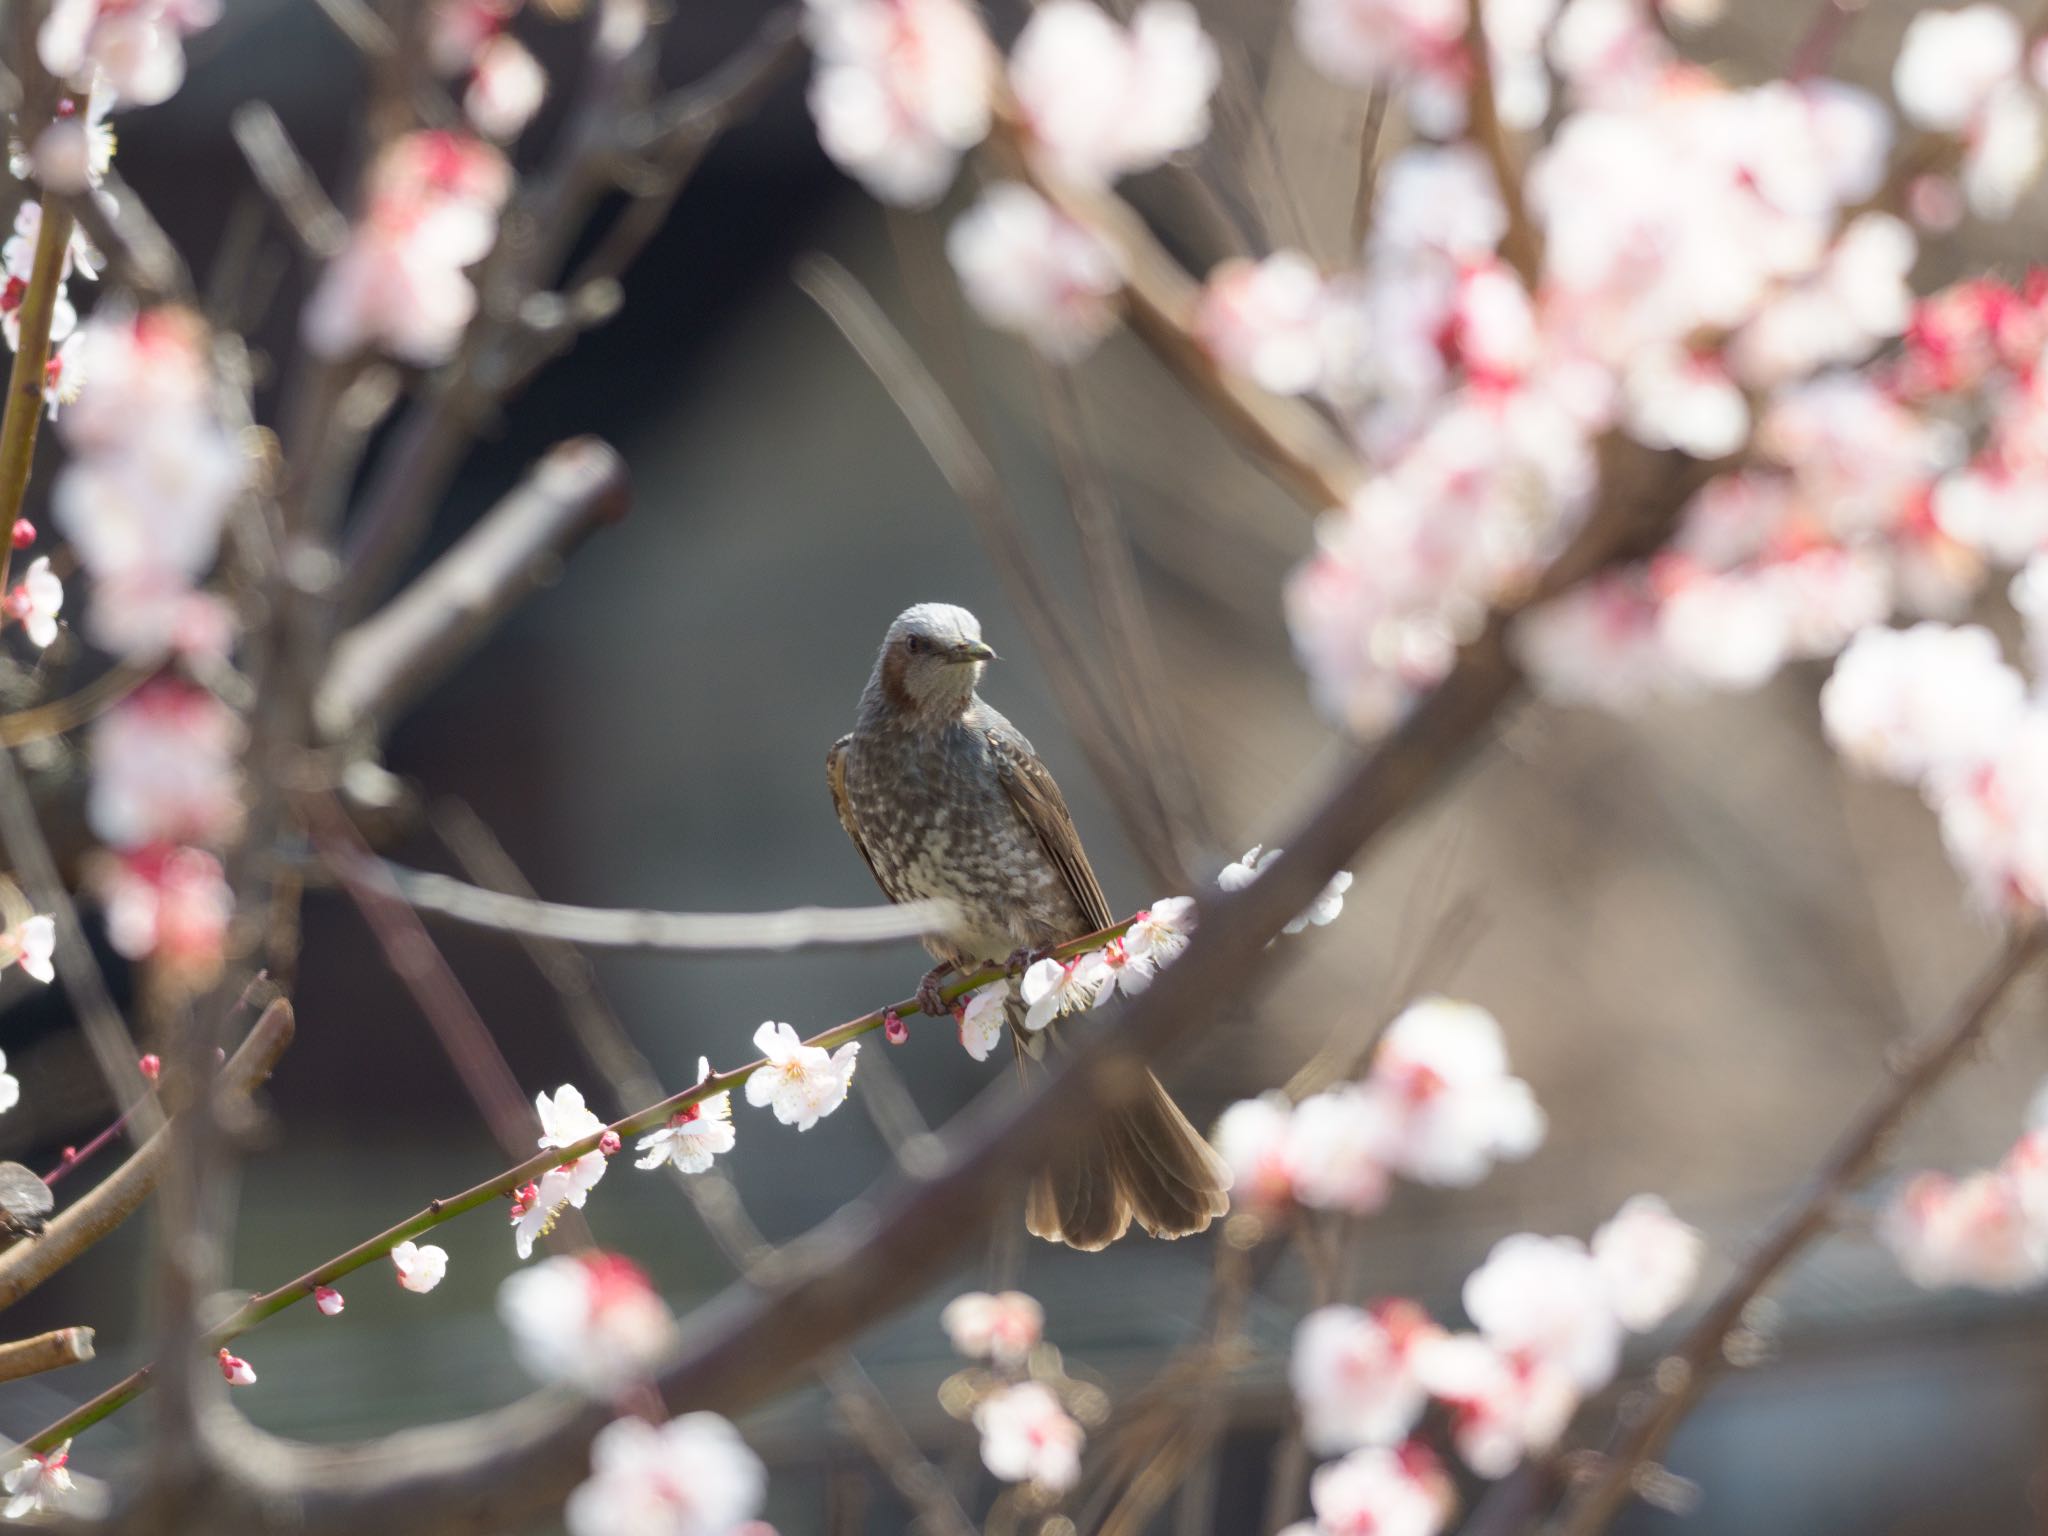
x: 1681, y: 1379
x: 116, y: 1197
x: 689, y: 933
x: 45, y: 1352
x: 287, y: 180
x: 1521, y: 246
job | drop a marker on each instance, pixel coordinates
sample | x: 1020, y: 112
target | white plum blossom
x: 694, y: 1135
x: 1910, y: 704
x: 1103, y: 101
x: 1052, y: 987
x: 982, y: 1015
x: 1005, y: 1327
x: 420, y: 1266
x: 1254, y: 1139
x: 10, y: 1086
x: 1027, y: 1437
x: 38, y: 1483
x: 1649, y: 1259
x: 693, y: 1476
x: 537, y: 1207
x: 1028, y: 268
x: 1972, y: 1231
x: 801, y: 1083
x: 1353, y: 1374
x: 37, y: 602
x: 1158, y: 934
x: 32, y: 945
x: 1442, y: 1069
x: 565, y: 1120
x: 1994, y: 818
x: 1320, y: 913
x: 1382, y: 1491
x: 506, y: 87
x: 1545, y: 1298
x: 901, y: 90
x: 592, y: 1320
x: 1503, y: 1408
x: 1340, y: 1149
x: 400, y: 283
x: 166, y: 768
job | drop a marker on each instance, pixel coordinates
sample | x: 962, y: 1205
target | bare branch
x: 699, y: 933
x: 115, y: 1198
x: 1681, y: 1379
x: 287, y: 180
x: 45, y: 1352
x: 384, y: 664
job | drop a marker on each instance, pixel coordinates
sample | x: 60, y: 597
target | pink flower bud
x: 894, y: 1030
x: 19, y: 604
x: 237, y: 1370
x: 24, y: 533
x: 608, y: 1143
x: 328, y: 1300
x: 151, y: 1066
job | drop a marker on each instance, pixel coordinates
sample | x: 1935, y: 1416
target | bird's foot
x: 931, y: 991
x: 1024, y: 956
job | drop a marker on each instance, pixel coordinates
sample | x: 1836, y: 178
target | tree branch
x: 116, y: 1197
x: 384, y: 664
x: 45, y: 1352
x: 1681, y: 1379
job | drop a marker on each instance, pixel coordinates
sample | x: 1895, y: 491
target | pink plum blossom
x: 1028, y: 268
x: 1442, y: 1068
x: 1005, y: 1327
x: 1353, y: 1374
x: 1649, y: 1260
x: 590, y: 1319
x: 1027, y: 1437
x: 693, y: 1476
x: 1382, y: 1491
x: 1545, y: 1298
x: 166, y: 768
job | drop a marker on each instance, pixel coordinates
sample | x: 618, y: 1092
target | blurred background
x: 1699, y: 935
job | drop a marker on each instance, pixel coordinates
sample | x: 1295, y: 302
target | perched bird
x: 945, y: 798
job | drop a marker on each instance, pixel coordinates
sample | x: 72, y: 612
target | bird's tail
x: 1142, y: 1160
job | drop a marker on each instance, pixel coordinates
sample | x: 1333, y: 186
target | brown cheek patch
x: 893, y: 667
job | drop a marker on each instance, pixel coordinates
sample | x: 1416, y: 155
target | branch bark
x: 45, y: 1352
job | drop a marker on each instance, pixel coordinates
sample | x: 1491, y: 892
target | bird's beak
x: 973, y: 650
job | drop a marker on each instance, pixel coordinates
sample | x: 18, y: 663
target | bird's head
x: 931, y: 659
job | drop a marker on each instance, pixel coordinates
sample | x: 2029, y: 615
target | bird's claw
x: 931, y: 992
x: 1024, y: 956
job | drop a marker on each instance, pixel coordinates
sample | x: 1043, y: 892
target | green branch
x: 24, y: 413
x: 267, y: 1304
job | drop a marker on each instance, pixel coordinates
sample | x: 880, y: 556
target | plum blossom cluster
x: 401, y: 283
x: 166, y: 794
x: 692, y: 1476
x: 1437, y: 1105
x: 1548, y: 1318
x: 132, y: 48
x: 1027, y: 1433
x: 64, y: 373
x: 1987, y: 1229
x: 564, y: 1121
x: 1052, y: 986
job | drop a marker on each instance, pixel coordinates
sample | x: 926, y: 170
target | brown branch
x: 1298, y: 447
x: 24, y: 413
x: 45, y: 1352
x: 1521, y: 246
x: 115, y: 1198
x: 1681, y: 1379
x: 698, y: 933
x: 287, y: 180
x: 383, y: 665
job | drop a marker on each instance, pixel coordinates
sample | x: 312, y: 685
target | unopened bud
x: 894, y: 1030
x: 608, y: 1143
x: 24, y: 533
x: 151, y: 1066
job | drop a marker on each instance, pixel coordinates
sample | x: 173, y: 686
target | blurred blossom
x: 1503, y: 1407
x: 1027, y: 267
x: 694, y: 1135
x: 1383, y: 1492
x: 1340, y: 1148
x: 1596, y: 645
x: 36, y: 602
x: 1972, y: 1231
x: 1253, y: 1138
x: 900, y: 91
x: 1102, y: 100
x: 1027, y: 1437
x: 2029, y: 597
x: 1545, y: 1298
x: 1680, y: 399
x: 506, y: 87
x: 76, y: 151
x: 982, y: 1015
x: 592, y: 1320
x: 1418, y: 46
x: 134, y: 48
x: 1004, y: 1328
x: 420, y: 1266
x: 37, y: 1483
x: 1994, y: 818
x: 1859, y: 297
x: 433, y: 198
x: 1327, y: 906
x: 1650, y: 1261
x: 166, y: 768
x: 1442, y: 1067
x: 1952, y: 63
x: 801, y: 1083
x: 10, y: 1086
x: 170, y: 905
x: 1913, y: 704
x: 693, y: 1476
x: 1267, y: 320
x: 1353, y: 1374
x: 459, y: 30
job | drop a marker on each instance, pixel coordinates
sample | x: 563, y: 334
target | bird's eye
x: 915, y: 644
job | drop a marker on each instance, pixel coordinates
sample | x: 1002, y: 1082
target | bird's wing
x: 1037, y: 798
x: 835, y: 775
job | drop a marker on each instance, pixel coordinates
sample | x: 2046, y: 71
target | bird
x: 946, y: 799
